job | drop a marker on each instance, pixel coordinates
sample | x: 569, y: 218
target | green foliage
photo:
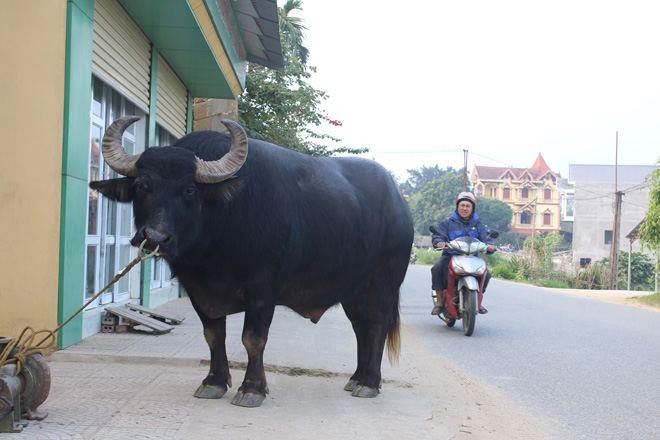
x: 596, y: 275
x: 292, y: 29
x: 650, y: 229
x: 282, y: 107
x: 494, y: 213
x: 542, y: 248
x: 641, y: 272
x: 503, y: 271
x: 552, y: 283
x: 435, y: 201
x: 428, y: 257
x: 420, y: 178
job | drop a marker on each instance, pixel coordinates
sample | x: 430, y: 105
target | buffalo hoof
x: 249, y: 400
x: 364, y: 391
x: 358, y: 390
x: 351, y: 385
x: 210, y: 392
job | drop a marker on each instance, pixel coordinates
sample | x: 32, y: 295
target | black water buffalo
x: 244, y: 233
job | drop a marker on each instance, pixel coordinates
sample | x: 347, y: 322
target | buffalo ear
x: 224, y: 190
x: 115, y: 189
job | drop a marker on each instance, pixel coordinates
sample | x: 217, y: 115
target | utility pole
x: 465, y: 152
x: 614, y: 248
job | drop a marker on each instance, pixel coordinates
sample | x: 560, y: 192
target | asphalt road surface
x: 585, y: 368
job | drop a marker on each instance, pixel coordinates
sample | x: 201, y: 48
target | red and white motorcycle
x: 465, y: 285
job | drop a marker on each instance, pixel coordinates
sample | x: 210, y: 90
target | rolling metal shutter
x: 171, y: 100
x: 121, y: 53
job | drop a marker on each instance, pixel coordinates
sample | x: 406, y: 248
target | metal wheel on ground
x: 470, y: 310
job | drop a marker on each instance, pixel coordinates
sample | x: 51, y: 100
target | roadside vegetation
x: 537, y: 263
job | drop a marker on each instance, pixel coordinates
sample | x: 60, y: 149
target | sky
x: 419, y: 81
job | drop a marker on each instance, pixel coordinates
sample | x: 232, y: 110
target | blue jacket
x: 453, y: 228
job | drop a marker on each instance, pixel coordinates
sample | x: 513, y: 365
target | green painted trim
x: 152, y: 97
x: 189, y: 116
x: 75, y: 146
x: 145, y: 267
x: 226, y: 38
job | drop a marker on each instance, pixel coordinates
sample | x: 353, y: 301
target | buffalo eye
x: 189, y: 191
x: 139, y: 187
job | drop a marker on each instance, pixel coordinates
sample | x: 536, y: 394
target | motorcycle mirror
x: 493, y: 233
x: 434, y: 230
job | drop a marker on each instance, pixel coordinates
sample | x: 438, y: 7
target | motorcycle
x: 465, y: 281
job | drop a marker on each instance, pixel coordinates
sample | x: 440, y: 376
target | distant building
x: 594, y: 196
x: 531, y: 193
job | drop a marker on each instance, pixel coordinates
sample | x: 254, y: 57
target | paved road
x: 589, y: 368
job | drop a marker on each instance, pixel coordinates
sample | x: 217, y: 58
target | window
x: 547, y: 194
x: 547, y: 217
x: 493, y: 193
x: 584, y: 262
x: 608, y: 237
x: 506, y: 193
x: 524, y: 193
x: 109, y: 224
x: 525, y: 218
x: 161, y: 275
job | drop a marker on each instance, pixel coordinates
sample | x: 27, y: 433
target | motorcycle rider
x: 462, y: 222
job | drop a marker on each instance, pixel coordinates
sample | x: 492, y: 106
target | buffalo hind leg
x: 373, y: 311
x: 215, y: 385
x: 255, y: 335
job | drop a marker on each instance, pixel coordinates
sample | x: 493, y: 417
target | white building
x: 594, y: 197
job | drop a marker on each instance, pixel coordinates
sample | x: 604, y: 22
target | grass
x: 650, y: 300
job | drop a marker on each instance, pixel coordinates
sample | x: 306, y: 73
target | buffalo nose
x: 155, y: 237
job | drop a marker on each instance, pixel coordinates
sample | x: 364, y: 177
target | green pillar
x: 145, y: 266
x: 75, y: 163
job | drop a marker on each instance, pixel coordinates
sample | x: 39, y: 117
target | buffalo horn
x: 225, y: 167
x: 113, y: 150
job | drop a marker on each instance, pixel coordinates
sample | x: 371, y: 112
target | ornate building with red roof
x: 530, y: 192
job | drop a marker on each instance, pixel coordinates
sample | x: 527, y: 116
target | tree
x: 494, y: 213
x: 420, y: 178
x: 282, y: 107
x: 641, y: 272
x: 649, y: 231
x: 293, y: 30
x: 435, y: 201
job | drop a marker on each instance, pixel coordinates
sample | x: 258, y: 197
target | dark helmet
x: 469, y: 197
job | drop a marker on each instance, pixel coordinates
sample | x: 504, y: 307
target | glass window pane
x: 111, y: 220
x: 130, y: 110
x: 124, y: 259
x: 97, y: 98
x: 110, y: 269
x: 115, y: 108
x: 90, y: 281
x: 155, y: 269
x: 94, y: 163
x: 167, y: 273
x: 126, y: 219
x: 92, y: 219
x: 129, y: 146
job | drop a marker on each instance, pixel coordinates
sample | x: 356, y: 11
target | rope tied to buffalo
x: 25, y: 345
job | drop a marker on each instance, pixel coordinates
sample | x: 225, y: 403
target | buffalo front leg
x: 214, y: 386
x: 255, y: 335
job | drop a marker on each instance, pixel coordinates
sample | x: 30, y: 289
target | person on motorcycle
x: 462, y: 222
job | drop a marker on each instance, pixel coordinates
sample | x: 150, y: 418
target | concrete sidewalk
x: 140, y: 385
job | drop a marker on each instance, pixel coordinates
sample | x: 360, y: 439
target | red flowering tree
x: 282, y: 107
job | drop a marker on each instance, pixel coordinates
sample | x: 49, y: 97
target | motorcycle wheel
x: 470, y: 310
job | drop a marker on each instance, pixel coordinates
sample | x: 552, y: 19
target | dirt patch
x: 623, y: 297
